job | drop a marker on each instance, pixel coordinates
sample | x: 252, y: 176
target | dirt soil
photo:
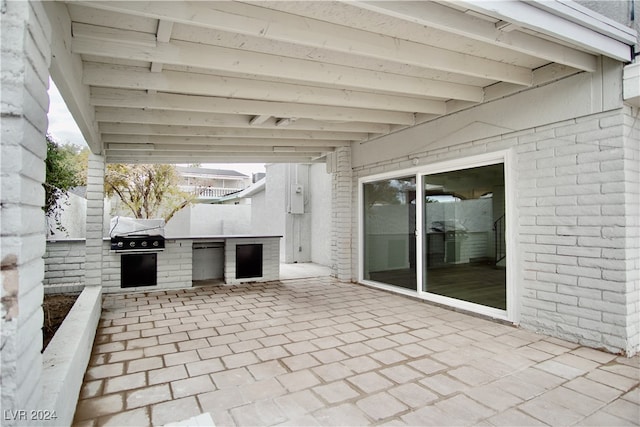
x: 55, y: 309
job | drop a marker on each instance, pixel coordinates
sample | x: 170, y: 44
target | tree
x: 62, y: 173
x: 148, y: 191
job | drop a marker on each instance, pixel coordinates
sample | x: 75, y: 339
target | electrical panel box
x: 297, y: 199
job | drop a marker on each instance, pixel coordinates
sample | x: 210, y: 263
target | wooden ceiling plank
x: 111, y: 148
x: 206, y: 157
x: 447, y: 19
x: 152, y: 130
x: 143, y: 140
x: 128, y: 115
x: 323, y: 56
x: 108, y: 97
x: 272, y: 66
x: 107, y: 34
x: 231, y: 87
x: 110, y: 129
x: 290, y: 28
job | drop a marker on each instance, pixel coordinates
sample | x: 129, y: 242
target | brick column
x: 631, y: 134
x: 95, y: 215
x: 25, y: 49
x: 341, y: 214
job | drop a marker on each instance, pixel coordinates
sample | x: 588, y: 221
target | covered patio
x: 322, y: 352
x: 375, y: 90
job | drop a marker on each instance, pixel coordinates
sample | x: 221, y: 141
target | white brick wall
x: 25, y: 58
x: 270, y: 259
x: 95, y: 220
x: 575, y: 290
x: 578, y: 241
x: 174, y: 267
x: 342, y: 243
x: 64, y: 263
x: 631, y: 132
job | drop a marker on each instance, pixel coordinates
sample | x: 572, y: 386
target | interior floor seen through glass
x: 464, y: 248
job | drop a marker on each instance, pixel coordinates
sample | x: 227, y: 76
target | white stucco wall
x: 304, y: 227
x: 271, y: 218
x: 72, y: 218
x: 206, y: 220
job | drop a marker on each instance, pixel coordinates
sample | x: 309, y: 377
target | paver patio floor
x: 322, y: 352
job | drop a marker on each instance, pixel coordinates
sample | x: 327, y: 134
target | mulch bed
x: 55, y: 307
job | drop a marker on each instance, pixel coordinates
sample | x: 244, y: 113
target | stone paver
x: 321, y: 352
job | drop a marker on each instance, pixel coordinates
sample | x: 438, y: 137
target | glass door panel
x: 464, y: 251
x: 389, y: 232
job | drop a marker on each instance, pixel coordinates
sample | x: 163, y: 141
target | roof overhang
x: 267, y: 81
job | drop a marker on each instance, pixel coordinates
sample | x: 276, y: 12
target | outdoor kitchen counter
x: 233, y: 258
x: 223, y: 237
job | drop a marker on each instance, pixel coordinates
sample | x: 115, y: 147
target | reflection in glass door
x: 464, y: 250
x: 389, y: 232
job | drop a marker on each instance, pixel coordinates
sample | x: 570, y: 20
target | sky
x: 64, y: 130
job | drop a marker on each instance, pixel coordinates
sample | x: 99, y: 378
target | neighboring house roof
x: 250, y: 191
x: 211, y: 172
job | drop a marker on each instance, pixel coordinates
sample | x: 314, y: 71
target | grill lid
x: 123, y: 226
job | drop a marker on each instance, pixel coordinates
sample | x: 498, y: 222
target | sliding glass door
x: 440, y: 235
x: 464, y: 253
x: 389, y: 225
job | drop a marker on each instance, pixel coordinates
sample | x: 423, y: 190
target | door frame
x: 504, y: 157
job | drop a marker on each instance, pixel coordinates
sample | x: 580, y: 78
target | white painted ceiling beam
x: 268, y: 66
x: 444, y: 18
x: 128, y: 115
x: 106, y: 97
x: 173, y: 157
x: 262, y: 22
x: 211, y: 141
x: 231, y: 87
x: 529, y: 16
x: 109, y: 130
x: 112, y: 148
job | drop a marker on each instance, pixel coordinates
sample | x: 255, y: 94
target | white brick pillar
x: 631, y: 134
x: 95, y: 218
x: 342, y: 208
x: 25, y: 57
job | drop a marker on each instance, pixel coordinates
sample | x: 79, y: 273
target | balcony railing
x: 209, y: 192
